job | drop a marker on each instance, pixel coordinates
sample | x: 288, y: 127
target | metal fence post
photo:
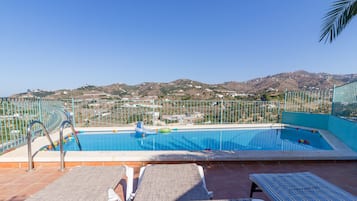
x: 40, y: 109
x: 333, y: 100
x: 73, y: 116
x: 153, y: 111
x: 286, y: 91
x: 221, y: 117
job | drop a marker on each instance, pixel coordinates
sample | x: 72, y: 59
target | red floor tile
x: 226, y: 180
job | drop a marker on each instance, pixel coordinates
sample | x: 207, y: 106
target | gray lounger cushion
x: 171, y: 182
x: 82, y: 183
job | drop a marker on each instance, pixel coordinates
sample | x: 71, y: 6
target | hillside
x: 184, y: 89
x: 299, y: 80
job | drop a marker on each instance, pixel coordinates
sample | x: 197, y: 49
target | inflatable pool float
x: 140, y: 127
x: 164, y: 130
x: 140, y: 131
x: 302, y: 141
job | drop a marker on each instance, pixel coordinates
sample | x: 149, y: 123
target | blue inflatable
x: 139, y: 127
x: 140, y: 131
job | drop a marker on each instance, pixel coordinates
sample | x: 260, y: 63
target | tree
x: 336, y: 19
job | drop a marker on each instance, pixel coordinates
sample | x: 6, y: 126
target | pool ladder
x: 29, y: 141
x: 64, y: 123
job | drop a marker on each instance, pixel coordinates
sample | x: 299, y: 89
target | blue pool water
x: 198, y: 140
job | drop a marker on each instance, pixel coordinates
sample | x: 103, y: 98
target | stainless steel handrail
x: 29, y: 140
x: 64, y: 123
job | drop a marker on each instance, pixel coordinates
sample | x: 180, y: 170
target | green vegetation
x: 186, y: 97
x: 42, y: 94
x: 88, y: 87
x: 337, y: 18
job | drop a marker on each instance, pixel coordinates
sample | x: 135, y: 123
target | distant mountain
x: 184, y: 89
x: 299, y: 80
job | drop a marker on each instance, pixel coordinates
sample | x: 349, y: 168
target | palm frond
x: 336, y: 19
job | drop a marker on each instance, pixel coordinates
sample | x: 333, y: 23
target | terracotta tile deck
x: 226, y: 180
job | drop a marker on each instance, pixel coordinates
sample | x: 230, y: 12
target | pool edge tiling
x: 19, y: 158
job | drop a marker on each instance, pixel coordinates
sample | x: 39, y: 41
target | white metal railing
x: 174, y: 112
x: 16, y: 113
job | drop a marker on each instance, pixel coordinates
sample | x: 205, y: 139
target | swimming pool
x: 284, y: 139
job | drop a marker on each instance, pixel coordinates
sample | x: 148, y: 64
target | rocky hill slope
x: 184, y: 89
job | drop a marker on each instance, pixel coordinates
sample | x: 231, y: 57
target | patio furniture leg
x: 254, y: 188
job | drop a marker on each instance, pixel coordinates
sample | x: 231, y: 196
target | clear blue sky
x: 65, y: 44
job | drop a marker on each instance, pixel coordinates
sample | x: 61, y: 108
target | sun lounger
x: 297, y: 186
x: 87, y: 183
x: 171, y: 182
